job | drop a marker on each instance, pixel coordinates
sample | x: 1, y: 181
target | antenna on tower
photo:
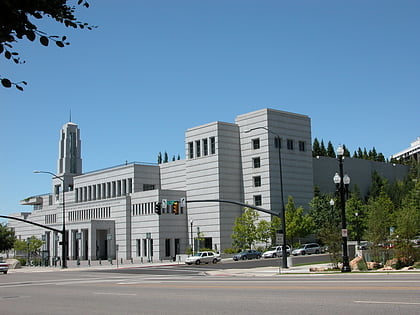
x: 70, y: 116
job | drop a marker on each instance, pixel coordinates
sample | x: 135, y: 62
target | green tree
x: 298, y: 225
x: 323, y: 149
x: 330, y: 150
x: 326, y: 218
x: 379, y: 222
x: 245, y: 230
x: 407, y: 219
x: 32, y: 245
x: 264, y: 232
x: 316, y: 148
x: 377, y: 186
x: 355, y: 216
x: 7, y: 238
x: 17, y: 22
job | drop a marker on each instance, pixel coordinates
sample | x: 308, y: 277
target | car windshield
x: 197, y: 254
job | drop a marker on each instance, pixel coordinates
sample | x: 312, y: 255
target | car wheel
x: 274, y: 255
x: 215, y: 261
x: 5, y: 272
x: 244, y: 258
x: 258, y: 256
x: 197, y: 262
x: 303, y: 253
x: 317, y: 252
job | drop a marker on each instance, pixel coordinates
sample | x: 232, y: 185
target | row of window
x: 201, y: 147
x: 50, y: 219
x: 278, y: 142
x: 89, y: 214
x: 148, y: 208
x: 112, y: 189
x: 145, y: 208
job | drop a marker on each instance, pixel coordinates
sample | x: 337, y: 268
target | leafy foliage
x: 33, y: 245
x: 245, y: 231
x: 16, y: 23
x: 7, y: 238
x: 298, y: 224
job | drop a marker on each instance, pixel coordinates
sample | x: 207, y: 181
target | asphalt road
x: 88, y: 292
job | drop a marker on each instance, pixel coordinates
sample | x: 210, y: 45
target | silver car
x: 203, y: 257
x: 276, y: 251
x: 310, y: 248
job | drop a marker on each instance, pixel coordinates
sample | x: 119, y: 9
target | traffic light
x: 158, y: 208
x: 175, y: 207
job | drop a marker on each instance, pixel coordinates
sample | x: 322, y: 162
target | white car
x: 276, y: 251
x: 203, y: 257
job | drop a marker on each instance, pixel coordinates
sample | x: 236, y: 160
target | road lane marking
x: 387, y: 302
x: 115, y: 293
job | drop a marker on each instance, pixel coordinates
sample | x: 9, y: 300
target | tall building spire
x: 69, y: 155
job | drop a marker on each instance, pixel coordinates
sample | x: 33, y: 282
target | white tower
x: 69, y: 162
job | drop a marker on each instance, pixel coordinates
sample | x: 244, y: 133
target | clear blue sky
x: 153, y: 69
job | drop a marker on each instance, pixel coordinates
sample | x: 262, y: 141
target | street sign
x: 164, y: 204
x: 344, y: 232
x: 183, y: 202
x: 279, y: 238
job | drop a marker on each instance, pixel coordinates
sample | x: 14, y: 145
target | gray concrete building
x: 110, y: 213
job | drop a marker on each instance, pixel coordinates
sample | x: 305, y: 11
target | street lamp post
x: 342, y: 181
x: 282, y: 215
x: 191, y: 236
x: 64, y: 239
x: 357, y: 229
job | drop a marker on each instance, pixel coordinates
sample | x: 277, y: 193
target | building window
x: 256, y: 143
x: 205, y: 147
x: 190, y: 150
x: 144, y: 247
x: 148, y: 187
x: 197, y: 148
x: 212, y: 145
x: 257, y: 200
x: 302, y: 146
x: 138, y: 247
x: 167, y: 247
x: 257, y: 181
x: 256, y: 162
x: 289, y: 144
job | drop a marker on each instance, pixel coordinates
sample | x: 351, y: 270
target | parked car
x: 310, y: 248
x: 203, y: 257
x: 4, y: 267
x: 247, y: 254
x: 276, y: 251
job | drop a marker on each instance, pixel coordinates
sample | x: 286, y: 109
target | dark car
x: 4, y: 267
x: 247, y: 254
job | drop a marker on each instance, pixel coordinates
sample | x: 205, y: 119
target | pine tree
x: 330, y: 150
x: 316, y: 149
x: 323, y: 150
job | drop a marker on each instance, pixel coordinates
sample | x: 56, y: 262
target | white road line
x: 387, y: 302
x: 114, y: 293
